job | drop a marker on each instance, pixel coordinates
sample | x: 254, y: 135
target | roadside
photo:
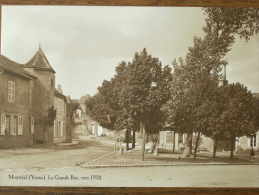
x: 41, y: 156
x: 98, y: 151
x: 166, y: 158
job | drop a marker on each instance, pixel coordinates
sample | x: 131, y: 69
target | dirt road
x: 59, y: 166
x: 54, y: 157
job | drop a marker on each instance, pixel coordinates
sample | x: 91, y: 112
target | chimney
x: 59, y: 89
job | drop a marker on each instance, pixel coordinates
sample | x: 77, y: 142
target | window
x: 61, y: 129
x: 253, y: 141
x: 58, y: 127
x: 32, y: 125
x: 11, y: 91
x: 30, y: 98
x: 20, y: 125
x: 3, y: 124
x: 14, y: 123
x: 51, y: 82
x: 7, y: 124
x: 59, y: 106
x: 55, y: 129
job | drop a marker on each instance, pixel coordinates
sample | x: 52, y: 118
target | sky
x: 84, y: 44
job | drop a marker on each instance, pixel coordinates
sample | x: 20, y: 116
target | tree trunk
x: 215, y: 148
x: 232, y: 147
x: 187, y: 147
x: 127, y: 139
x: 156, y: 146
x: 133, y: 139
x: 144, y: 141
x: 174, y: 143
x: 196, y: 144
x: 191, y: 143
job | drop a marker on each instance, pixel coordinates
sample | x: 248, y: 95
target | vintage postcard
x: 129, y: 96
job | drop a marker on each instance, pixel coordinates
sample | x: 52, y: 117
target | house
x: 17, y: 119
x: 27, y: 92
x: 60, y: 122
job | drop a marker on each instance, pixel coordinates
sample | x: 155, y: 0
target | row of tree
x: 145, y: 96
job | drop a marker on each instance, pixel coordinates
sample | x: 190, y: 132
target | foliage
x: 235, y: 20
x: 51, y: 116
x: 100, y: 111
x: 140, y: 100
x: 240, y: 111
x: 195, y: 105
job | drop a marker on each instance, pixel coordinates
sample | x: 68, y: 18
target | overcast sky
x: 85, y: 44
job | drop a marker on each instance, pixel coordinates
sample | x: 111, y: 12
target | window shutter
x: 32, y: 125
x: 55, y: 129
x: 20, y: 125
x: 13, y: 94
x: 3, y: 124
x: 61, y: 130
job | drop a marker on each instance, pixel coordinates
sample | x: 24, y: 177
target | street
x: 42, y: 158
x: 62, y: 167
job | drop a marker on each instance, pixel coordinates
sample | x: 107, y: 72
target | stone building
x: 43, y: 95
x: 60, y: 122
x: 27, y: 91
x: 17, y: 119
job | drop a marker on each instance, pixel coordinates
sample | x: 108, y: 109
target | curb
x: 86, y: 164
x: 159, y: 165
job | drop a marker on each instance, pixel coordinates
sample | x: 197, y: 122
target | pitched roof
x: 39, y: 62
x: 14, y: 67
x: 58, y: 94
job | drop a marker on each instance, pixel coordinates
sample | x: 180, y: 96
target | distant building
x: 60, y: 122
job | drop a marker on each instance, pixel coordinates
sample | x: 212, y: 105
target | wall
x: 243, y: 145
x: 60, y: 134
x: 18, y: 108
x: 43, y: 99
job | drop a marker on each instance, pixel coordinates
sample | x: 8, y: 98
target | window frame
x: 20, y: 125
x: 3, y: 124
x: 11, y: 91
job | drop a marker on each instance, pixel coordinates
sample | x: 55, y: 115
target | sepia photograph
x: 128, y: 96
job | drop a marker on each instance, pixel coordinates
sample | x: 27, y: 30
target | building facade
x: 27, y: 92
x: 17, y: 120
x: 60, y: 122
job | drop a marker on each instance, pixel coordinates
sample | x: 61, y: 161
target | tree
x: 233, y: 20
x: 99, y: 110
x: 48, y: 120
x: 190, y: 97
x: 71, y: 108
x: 192, y: 93
x: 240, y: 112
x: 145, y: 90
